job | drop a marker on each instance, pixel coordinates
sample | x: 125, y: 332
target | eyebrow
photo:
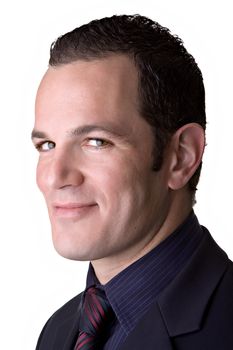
x: 36, y: 134
x: 84, y: 129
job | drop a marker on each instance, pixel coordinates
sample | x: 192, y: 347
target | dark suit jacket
x: 195, y: 311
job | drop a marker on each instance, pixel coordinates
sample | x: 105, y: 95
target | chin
x: 79, y: 251
x: 71, y: 253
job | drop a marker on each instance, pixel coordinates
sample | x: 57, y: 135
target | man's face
x: 95, y: 161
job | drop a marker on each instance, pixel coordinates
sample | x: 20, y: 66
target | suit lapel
x: 67, y: 332
x: 149, y: 334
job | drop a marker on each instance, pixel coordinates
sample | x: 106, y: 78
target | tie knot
x: 97, y: 314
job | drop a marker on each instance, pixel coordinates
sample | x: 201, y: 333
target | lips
x: 72, y: 205
x: 72, y: 209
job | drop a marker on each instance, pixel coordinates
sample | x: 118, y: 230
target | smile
x: 71, y: 210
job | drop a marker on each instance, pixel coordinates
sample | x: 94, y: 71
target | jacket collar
x: 183, y: 303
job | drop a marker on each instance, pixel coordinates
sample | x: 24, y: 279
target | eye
x: 97, y: 142
x: 45, y: 146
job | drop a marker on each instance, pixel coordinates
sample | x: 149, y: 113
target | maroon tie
x: 96, y: 319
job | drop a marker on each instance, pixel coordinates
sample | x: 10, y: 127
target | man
x: 120, y: 129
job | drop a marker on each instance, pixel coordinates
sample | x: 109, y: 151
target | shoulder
x: 211, y: 302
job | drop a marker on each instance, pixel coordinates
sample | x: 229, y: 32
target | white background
x: 35, y: 281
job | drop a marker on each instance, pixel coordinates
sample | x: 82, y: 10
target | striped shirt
x: 134, y: 289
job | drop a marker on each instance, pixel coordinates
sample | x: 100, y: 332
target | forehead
x: 87, y: 92
x: 113, y: 77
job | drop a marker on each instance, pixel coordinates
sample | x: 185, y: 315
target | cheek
x: 121, y: 186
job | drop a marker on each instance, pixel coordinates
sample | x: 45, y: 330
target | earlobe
x: 187, y: 147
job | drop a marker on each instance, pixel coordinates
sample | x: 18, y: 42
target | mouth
x: 72, y: 210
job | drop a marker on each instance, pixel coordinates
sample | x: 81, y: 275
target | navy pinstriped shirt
x: 134, y: 289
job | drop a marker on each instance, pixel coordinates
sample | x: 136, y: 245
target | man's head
x: 119, y: 126
x: 170, y: 87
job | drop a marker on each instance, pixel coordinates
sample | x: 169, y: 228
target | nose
x: 59, y: 171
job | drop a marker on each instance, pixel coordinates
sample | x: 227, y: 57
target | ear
x: 187, y: 147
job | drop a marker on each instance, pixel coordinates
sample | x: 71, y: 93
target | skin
x: 104, y: 201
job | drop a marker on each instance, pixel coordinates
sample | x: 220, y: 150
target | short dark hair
x: 171, y: 89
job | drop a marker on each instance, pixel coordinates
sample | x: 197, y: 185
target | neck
x: 107, y: 268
